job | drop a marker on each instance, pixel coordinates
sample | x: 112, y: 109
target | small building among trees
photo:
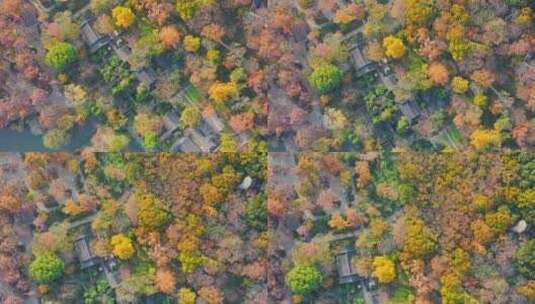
x: 346, y: 274
x: 93, y: 40
x: 86, y: 257
x: 184, y: 144
x: 362, y: 65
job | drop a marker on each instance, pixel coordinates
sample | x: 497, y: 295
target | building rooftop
x: 215, y: 123
x: 203, y: 142
x: 93, y: 40
x: 85, y: 256
x: 171, y: 121
x: 346, y: 274
x: 184, y: 144
x: 362, y: 64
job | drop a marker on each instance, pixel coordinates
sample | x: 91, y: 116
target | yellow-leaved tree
x: 394, y: 47
x: 192, y: 43
x: 186, y: 296
x: 122, y: 246
x: 459, y: 85
x: 485, y: 138
x: 123, y: 16
x: 224, y: 91
x: 384, y: 269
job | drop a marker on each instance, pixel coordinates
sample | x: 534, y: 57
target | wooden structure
x: 171, y: 122
x: 184, y: 144
x: 93, y: 40
x: 86, y: 257
x: 346, y: 274
x: 201, y: 140
x: 215, y: 123
x: 362, y: 65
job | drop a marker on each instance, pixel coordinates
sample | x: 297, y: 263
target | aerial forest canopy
x: 267, y: 151
x: 121, y: 228
x: 306, y: 75
x: 402, y: 228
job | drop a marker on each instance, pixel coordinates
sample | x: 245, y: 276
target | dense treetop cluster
x: 402, y: 228
x: 120, y: 228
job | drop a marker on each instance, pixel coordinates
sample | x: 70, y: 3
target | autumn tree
x: 186, y: 296
x: 481, y: 138
x: 64, y: 27
x: 122, y: 246
x: 10, y: 202
x: 169, y: 36
x: 483, y: 77
x: 188, y: 8
x: 418, y: 12
x: 420, y: 241
x: 349, y: 14
x: 123, y: 16
x: 76, y: 94
x: 334, y: 119
x: 146, y: 122
x: 481, y: 100
x: 338, y: 222
x: 527, y: 290
x: 373, y: 51
x: 222, y: 92
x: 12, y: 7
x: 72, y: 208
x: 384, y: 269
x: 192, y: 43
x: 525, y: 259
x: 213, y: 31
x: 499, y: 220
x: 55, y: 139
x: 482, y: 232
x: 394, y: 47
x: 331, y: 50
x: 438, y: 73
x: 165, y: 281
x: 152, y: 212
x: 363, y: 174
x: 242, y: 122
x: 459, y: 85
x: 211, y: 295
